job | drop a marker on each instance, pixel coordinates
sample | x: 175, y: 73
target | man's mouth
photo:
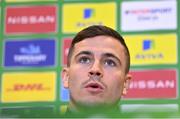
x: 94, y: 87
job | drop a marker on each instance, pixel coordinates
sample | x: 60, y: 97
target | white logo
x: 149, y: 15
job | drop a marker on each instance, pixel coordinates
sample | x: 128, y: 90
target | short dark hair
x: 98, y: 30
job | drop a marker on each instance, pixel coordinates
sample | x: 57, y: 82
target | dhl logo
x: 28, y: 87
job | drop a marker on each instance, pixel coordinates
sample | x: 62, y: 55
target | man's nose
x: 96, y: 70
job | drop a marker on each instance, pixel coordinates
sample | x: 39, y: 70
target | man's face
x: 96, y: 75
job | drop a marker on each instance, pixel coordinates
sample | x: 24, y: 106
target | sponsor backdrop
x: 35, y: 36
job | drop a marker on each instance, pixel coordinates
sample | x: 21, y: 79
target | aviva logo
x: 88, y: 13
x: 148, y: 44
x: 152, y: 49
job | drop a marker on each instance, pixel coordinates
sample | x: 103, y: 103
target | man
x: 97, y: 71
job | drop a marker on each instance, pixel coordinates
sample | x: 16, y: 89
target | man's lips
x: 94, y: 87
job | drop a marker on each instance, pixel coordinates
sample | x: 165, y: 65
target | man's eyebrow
x: 83, y: 53
x: 113, y: 56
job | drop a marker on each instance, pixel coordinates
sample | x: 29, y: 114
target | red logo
x: 66, y: 46
x: 31, y: 19
x: 153, y: 84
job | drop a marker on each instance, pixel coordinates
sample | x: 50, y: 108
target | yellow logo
x: 78, y: 16
x: 152, y: 49
x: 27, y: 87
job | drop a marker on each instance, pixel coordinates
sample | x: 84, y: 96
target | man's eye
x: 84, y: 60
x: 110, y: 63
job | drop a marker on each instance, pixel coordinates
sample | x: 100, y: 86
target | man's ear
x: 126, y: 84
x: 65, y: 75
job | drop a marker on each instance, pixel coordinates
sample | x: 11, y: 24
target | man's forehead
x: 92, y: 52
x: 100, y: 44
